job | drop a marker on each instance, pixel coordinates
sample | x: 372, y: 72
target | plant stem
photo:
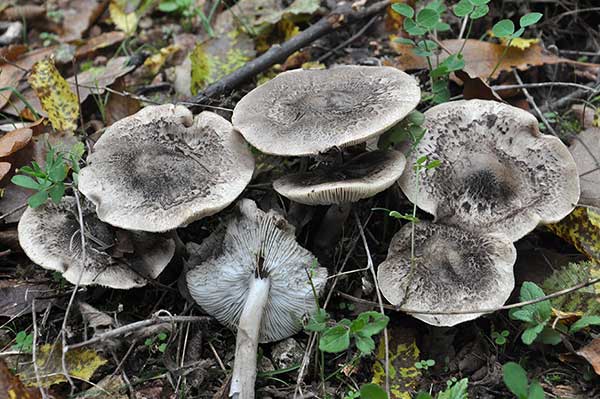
x: 466, y: 36
x: 501, y: 58
x: 246, y: 343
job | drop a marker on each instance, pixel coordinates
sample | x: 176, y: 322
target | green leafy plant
x: 424, y: 364
x: 500, y: 337
x: 515, y: 379
x: 23, y: 342
x: 454, y: 390
x: 505, y: 29
x: 50, y: 181
x: 536, y: 317
x: 187, y: 9
x: 584, y: 322
x: 337, y: 337
x: 367, y: 391
x: 158, y: 343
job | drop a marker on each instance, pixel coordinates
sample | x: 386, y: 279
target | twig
x: 128, y: 328
x: 341, y: 16
x: 380, y: 302
x: 350, y: 40
x: 566, y: 100
x: 36, y: 370
x: 543, y: 84
x: 14, y: 210
x: 533, y: 104
x: 488, y: 310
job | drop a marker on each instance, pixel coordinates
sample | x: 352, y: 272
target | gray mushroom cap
x: 453, y: 270
x: 362, y: 177
x: 586, y: 152
x: 115, y: 258
x: 497, y: 173
x: 224, y: 265
x: 306, y: 112
x: 161, y: 169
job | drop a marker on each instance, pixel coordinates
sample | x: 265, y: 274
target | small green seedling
x: 187, y: 9
x: 454, y: 390
x: 23, y: 342
x: 337, y: 337
x: 515, y: 379
x: 50, y: 181
x: 424, y: 364
x: 158, y: 343
x: 536, y: 317
x: 500, y: 338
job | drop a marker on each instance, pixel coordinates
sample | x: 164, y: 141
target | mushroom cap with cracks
x: 224, y: 266
x: 306, y: 112
x: 362, y: 177
x: 49, y: 236
x: 452, y: 270
x: 160, y: 169
x: 497, y: 173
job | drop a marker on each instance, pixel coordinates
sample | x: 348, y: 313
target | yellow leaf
x: 81, y: 364
x: 594, y: 216
x: 55, y: 94
x: 127, y: 22
x: 520, y: 43
x: 580, y: 231
x: 404, y: 353
x: 155, y: 62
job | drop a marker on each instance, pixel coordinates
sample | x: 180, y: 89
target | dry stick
x: 34, y: 352
x: 566, y: 100
x: 380, y: 301
x: 533, y: 104
x: 488, y: 310
x: 128, y: 328
x: 543, y: 84
x: 341, y: 16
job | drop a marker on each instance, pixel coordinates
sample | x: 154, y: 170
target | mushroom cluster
x: 497, y: 178
x: 309, y: 112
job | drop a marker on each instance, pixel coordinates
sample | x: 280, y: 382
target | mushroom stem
x: 246, y: 344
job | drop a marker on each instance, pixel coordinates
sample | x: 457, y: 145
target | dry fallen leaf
x: 11, y: 386
x: 4, y: 169
x: 120, y: 106
x: 481, y: 57
x: 13, y: 141
x: 578, y: 230
x: 591, y: 353
x: 127, y: 22
x: 154, y: 63
x: 99, y: 42
x: 78, y: 16
x: 55, y: 95
x: 16, y: 297
x: 587, y: 115
x: 81, y: 364
x: 476, y: 88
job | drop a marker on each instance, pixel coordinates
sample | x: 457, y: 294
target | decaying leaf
x: 580, y: 232
x: 120, y: 106
x: 154, y: 63
x: 404, y: 353
x: 481, y: 57
x: 216, y: 58
x: 81, y: 364
x: 55, y: 95
x: 586, y: 152
x: 591, y: 353
x: 11, y: 386
x: 13, y: 141
x: 94, y: 318
x: 127, y: 22
x: 78, y: 16
x: 110, y: 387
x: 16, y: 297
x: 585, y: 300
x: 12, y: 73
x: 4, y: 169
x: 99, y: 42
x: 476, y: 88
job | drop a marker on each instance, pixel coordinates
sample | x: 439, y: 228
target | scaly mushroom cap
x: 225, y: 263
x: 586, y: 152
x: 161, y: 169
x: 362, y: 177
x: 115, y: 258
x: 453, y: 270
x: 497, y: 172
x: 306, y: 112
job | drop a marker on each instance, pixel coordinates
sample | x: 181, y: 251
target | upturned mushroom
x: 496, y: 172
x: 161, y: 169
x: 49, y: 236
x: 361, y: 177
x: 252, y: 276
x: 307, y: 112
x: 452, y: 269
